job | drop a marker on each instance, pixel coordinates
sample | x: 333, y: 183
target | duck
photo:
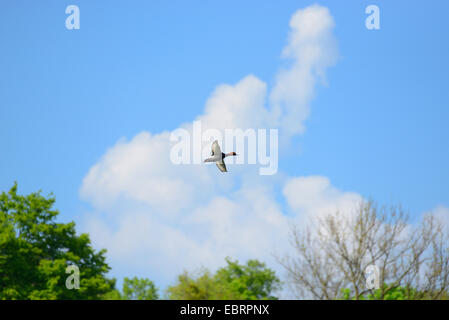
x: 217, y: 156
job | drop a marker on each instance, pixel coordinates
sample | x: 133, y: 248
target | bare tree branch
x: 333, y: 252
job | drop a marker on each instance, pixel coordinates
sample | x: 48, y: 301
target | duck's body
x: 218, y: 156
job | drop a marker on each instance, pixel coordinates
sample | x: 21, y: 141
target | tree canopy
x: 35, y: 252
x: 234, y: 281
x: 135, y: 289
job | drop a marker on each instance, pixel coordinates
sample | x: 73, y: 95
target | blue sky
x: 378, y: 128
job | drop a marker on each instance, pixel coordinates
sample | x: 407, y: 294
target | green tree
x: 396, y: 293
x: 199, y: 286
x: 234, y: 281
x: 35, y: 252
x: 139, y: 289
x: 134, y: 289
x: 253, y: 281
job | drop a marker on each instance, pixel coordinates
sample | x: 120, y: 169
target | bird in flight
x: 217, y: 156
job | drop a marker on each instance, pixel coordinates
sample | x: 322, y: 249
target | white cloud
x: 242, y: 225
x: 312, y: 48
x: 238, y: 106
x: 247, y: 223
x: 315, y: 196
x: 163, y: 217
x: 140, y: 171
x: 442, y: 214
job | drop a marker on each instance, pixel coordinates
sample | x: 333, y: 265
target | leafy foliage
x: 391, y: 292
x: 252, y: 281
x: 134, y: 289
x: 200, y: 287
x: 397, y: 293
x: 237, y: 282
x: 139, y: 289
x: 35, y: 251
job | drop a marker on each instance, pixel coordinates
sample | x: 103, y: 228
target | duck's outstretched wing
x: 215, y: 148
x: 221, y: 165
